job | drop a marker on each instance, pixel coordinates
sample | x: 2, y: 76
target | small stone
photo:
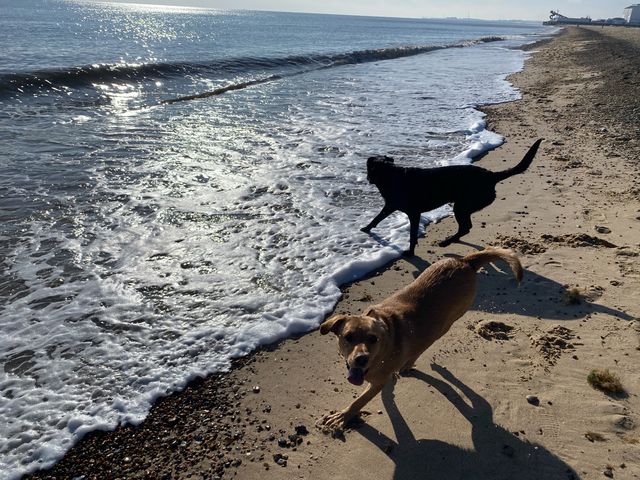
x: 283, y: 443
x: 256, y: 389
x: 533, y: 400
x: 280, y: 459
x: 602, y: 229
x: 608, y: 473
x: 301, y: 430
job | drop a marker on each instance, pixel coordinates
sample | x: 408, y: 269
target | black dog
x: 417, y: 190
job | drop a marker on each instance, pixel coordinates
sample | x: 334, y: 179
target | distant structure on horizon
x: 632, y: 13
x: 631, y: 19
x: 556, y: 18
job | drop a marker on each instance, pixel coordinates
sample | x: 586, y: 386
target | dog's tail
x: 522, y: 166
x: 491, y: 254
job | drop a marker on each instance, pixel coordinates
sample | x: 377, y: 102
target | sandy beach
x: 574, y: 219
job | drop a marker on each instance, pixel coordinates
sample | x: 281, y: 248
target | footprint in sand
x: 552, y: 343
x: 628, y: 262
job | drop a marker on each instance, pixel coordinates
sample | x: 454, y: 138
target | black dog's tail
x: 522, y: 166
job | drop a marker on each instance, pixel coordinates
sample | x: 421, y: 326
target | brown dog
x: 390, y: 336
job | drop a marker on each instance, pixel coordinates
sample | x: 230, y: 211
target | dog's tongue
x: 356, y: 376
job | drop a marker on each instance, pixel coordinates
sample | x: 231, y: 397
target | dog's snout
x: 361, y: 360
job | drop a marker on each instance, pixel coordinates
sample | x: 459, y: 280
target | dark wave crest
x: 86, y: 76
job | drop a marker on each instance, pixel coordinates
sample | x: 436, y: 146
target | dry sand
x: 574, y: 216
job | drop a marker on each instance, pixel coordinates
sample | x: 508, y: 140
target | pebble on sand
x: 533, y: 400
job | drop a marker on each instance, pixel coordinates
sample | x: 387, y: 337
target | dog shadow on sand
x: 497, y: 454
x: 536, y: 296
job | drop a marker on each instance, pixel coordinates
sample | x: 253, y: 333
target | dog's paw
x: 408, y: 253
x: 407, y: 371
x: 365, y: 229
x: 445, y: 243
x: 336, y: 420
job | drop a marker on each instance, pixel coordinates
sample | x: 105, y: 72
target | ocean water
x: 179, y: 186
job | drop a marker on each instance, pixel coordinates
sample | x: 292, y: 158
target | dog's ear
x: 373, y: 313
x: 333, y: 324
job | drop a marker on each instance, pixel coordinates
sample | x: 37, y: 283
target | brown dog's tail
x: 522, y: 166
x: 491, y: 254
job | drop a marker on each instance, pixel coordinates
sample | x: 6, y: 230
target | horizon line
x: 197, y: 7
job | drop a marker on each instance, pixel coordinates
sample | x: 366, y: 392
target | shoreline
x: 224, y: 426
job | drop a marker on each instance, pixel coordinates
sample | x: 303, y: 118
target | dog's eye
x: 349, y: 337
x: 372, y: 339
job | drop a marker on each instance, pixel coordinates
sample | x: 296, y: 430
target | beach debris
x: 533, y: 400
x: 602, y: 229
x: 280, y: 459
x: 605, y: 381
x: 595, y: 437
x: 572, y: 296
x: 626, y: 423
x: 553, y: 342
x: 575, y: 295
x: 493, y: 330
x: 578, y: 240
x: 608, y: 471
x: 293, y: 439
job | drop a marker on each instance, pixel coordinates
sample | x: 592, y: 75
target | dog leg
x: 409, y: 364
x: 384, y: 213
x: 463, y: 217
x: 414, y: 226
x: 342, y: 418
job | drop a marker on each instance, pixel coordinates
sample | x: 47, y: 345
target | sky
x: 485, y: 9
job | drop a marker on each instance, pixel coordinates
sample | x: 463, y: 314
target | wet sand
x: 574, y: 217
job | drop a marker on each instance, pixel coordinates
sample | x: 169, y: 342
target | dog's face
x: 361, y: 340
x: 374, y: 165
